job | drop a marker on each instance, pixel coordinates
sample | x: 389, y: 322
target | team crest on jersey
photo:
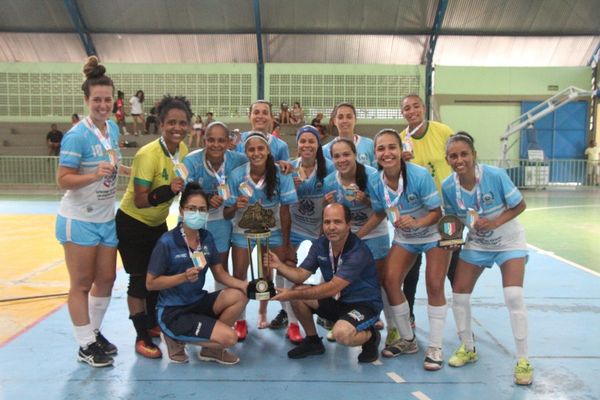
x: 359, y: 217
x: 484, y: 234
x: 488, y: 198
x: 411, y: 197
x: 319, y: 185
x: 362, y: 158
x: 110, y: 180
x: 306, y: 207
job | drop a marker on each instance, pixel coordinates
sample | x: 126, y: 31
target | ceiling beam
x: 435, y: 32
x: 84, y: 34
x: 259, y: 49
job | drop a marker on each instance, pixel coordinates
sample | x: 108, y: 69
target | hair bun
x: 93, y: 69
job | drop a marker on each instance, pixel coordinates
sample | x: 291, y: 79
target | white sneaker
x: 433, y: 359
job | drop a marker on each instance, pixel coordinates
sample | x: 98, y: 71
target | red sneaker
x: 147, y: 349
x: 294, y: 334
x: 241, y: 329
x: 154, y: 332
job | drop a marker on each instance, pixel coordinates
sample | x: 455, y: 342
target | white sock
x: 401, y: 318
x: 97, y: 307
x: 437, y: 321
x: 287, y: 306
x: 84, y: 335
x: 387, y: 312
x: 513, y: 297
x: 461, y: 308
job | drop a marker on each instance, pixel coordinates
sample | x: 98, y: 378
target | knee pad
x: 137, y: 286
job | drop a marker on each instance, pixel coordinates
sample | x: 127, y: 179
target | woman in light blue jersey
x: 412, y: 205
x: 211, y: 167
x: 487, y: 201
x: 343, y: 120
x: 89, y: 162
x: 258, y: 181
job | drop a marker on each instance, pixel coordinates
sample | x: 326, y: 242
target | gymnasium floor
x: 562, y: 292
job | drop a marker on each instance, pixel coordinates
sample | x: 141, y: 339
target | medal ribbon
x: 261, y: 182
x: 459, y: 200
x: 388, y: 201
x: 174, y: 158
x: 220, y: 173
x: 187, y: 245
x: 104, y: 139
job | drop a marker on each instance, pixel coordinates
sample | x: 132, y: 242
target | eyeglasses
x: 194, y: 208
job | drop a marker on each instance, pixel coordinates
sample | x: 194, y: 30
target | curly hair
x: 169, y: 102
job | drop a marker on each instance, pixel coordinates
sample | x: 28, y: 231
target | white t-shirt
x: 136, y: 105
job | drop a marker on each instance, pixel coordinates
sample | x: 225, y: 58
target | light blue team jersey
x: 307, y: 213
x: 365, y: 152
x: 204, y: 175
x: 496, y: 194
x: 81, y: 149
x: 417, y: 200
x: 360, y: 212
x: 285, y: 194
x: 279, y: 148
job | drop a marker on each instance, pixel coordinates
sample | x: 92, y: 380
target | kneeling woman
x: 186, y: 312
x: 413, y: 207
x: 486, y: 199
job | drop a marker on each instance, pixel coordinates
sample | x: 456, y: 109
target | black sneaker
x: 307, y: 348
x: 370, y: 349
x: 280, y: 321
x: 109, y: 348
x: 94, y: 356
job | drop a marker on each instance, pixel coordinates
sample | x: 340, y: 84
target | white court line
x: 556, y: 207
x: 571, y: 263
x: 395, y: 377
x: 421, y: 396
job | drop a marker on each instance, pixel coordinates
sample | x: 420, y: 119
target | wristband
x: 160, y: 195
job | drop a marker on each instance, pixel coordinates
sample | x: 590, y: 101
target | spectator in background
x: 75, y: 119
x: 297, y: 114
x: 316, y: 122
x: 196, y: 134
x: 284, y: 114
x: 137, y: 110
x: 119, y: 111
x: 234, y: 139
x: 152, y: 119
x: 593, y: 163
x: 276, y: 130
x: 210, y: 117
x: 53, y: 139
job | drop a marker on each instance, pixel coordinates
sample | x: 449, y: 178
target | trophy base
x: 451, y: 242
x: 261, y: 289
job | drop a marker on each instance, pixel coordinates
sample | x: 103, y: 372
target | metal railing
x: 36, y: 171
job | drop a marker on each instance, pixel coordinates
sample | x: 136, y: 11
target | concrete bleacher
x: 29, y: 138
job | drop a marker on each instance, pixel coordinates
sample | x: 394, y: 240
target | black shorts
x: 136, y: 242
x: 360, y: 315
x: 192, y: 323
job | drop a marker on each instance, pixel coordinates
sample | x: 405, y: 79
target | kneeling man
x: 350, y: 294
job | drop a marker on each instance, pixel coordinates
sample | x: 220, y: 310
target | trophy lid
x: 256, y: 219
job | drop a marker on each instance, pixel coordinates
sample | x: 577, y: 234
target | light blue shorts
x: 489, y: 258
x: 239, y: 240
x: 417, y: 248
x: 221, y: 232
x: 297, y: 239
x: 82, y: 233
x: 379, y: 246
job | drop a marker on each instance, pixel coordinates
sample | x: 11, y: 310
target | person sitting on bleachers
x: 53, y: 139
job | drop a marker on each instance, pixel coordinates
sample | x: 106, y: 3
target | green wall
x: 486, y: 123
x: 506, y: 81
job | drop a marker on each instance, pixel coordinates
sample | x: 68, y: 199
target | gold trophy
x: 257, y: 223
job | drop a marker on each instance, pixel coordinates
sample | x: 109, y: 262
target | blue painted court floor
x: 564, y: 341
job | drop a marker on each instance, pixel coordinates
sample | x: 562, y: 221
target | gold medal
x: 472, y: 217
x: 181, y: 171
x: 393, y: 214
x: 350, y: 192
x: 246, y: 189
x: 223, y: 191
x: 113, y: 156
x: 199, y: 259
